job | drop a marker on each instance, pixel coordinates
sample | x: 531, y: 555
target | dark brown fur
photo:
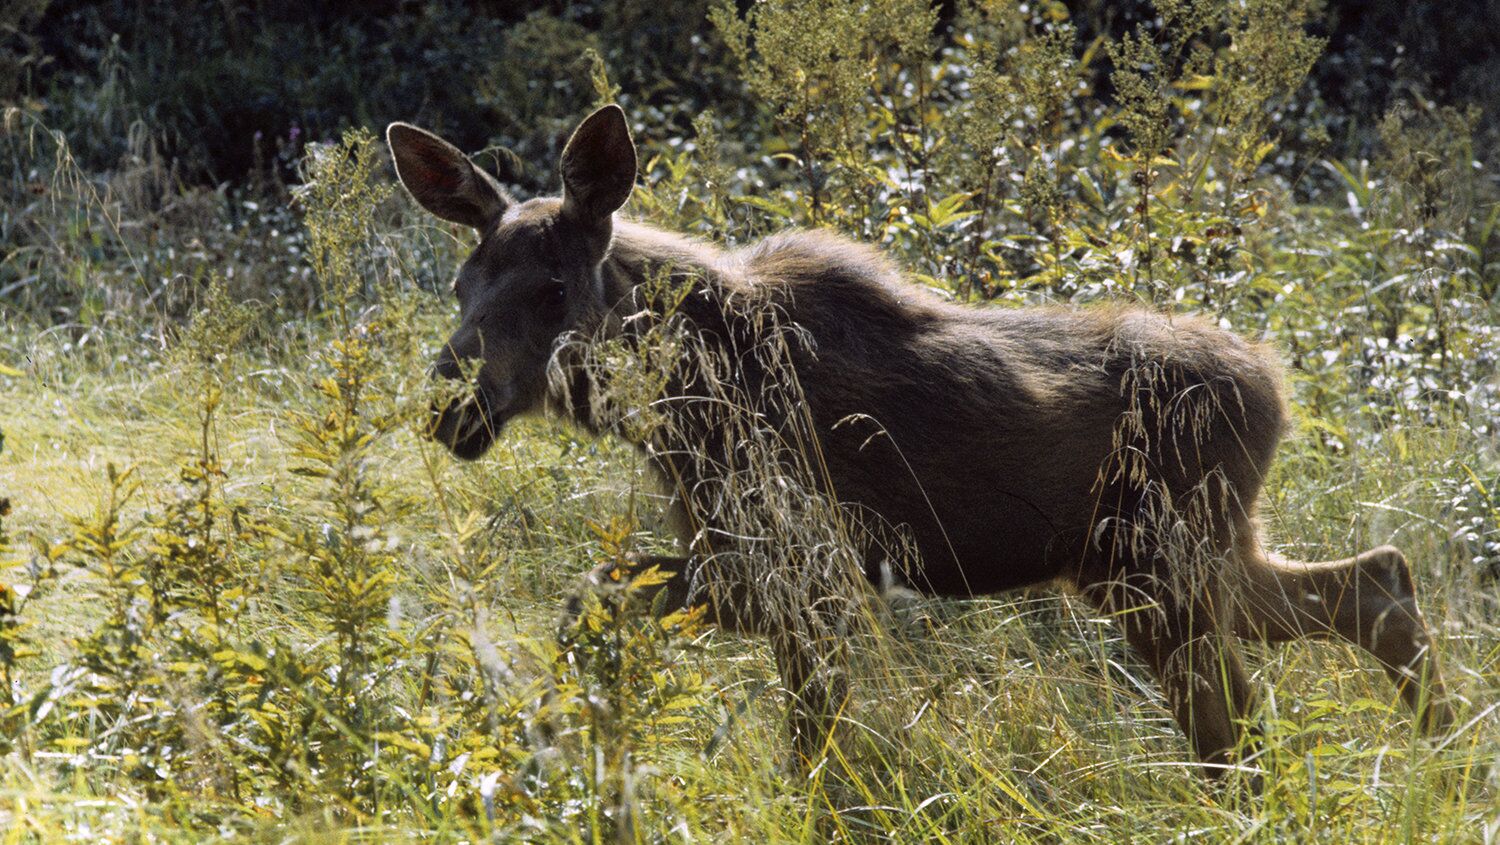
x: 1115, y: 450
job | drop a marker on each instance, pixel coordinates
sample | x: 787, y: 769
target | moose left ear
x: 442, y: 180
x: 598, y: 167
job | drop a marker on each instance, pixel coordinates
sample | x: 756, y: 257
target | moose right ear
x: 442, y: 180
x: 598, y: 167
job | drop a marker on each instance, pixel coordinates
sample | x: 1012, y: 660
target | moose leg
x: 1198, y: 668
x: 729, y: 606
x: 1368, y: 600
x: 808, y: 670
x: 818, y: 692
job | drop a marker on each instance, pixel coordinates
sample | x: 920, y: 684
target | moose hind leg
x: 1368, y: 600
x: 1199, y: 669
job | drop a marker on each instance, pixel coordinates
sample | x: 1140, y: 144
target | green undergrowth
x: 1023, y: 717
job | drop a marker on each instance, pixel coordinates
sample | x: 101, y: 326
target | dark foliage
x: 237, y: 86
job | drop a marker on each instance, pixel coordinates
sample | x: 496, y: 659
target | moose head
x: 536, y: 275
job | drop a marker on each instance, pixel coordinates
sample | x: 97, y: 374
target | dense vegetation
x: 242, y: 597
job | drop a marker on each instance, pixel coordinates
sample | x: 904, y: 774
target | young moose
x: 1116, y: 450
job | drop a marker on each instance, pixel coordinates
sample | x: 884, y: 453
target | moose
x: 1114, y: 450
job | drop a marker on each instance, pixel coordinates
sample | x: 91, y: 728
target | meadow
x: 245, y: 598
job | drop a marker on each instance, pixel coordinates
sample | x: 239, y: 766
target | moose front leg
x: 729, y: 607
x: 807, y: 663
x: 818, y: 689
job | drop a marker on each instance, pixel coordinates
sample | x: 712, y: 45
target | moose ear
x: 598, y: 167
x: 442, y: 180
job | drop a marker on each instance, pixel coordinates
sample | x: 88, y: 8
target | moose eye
x: 551, y: 299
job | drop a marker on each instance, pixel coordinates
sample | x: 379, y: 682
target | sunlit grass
x: 1022, y: 718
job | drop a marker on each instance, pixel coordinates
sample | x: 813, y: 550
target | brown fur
x: 1115, y: 450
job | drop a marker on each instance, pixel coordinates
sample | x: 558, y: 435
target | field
x: 245, y: 598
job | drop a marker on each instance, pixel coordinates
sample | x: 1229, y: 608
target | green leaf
x: 1090, y: 188
x: 771, y: 206
x: 946, y: 212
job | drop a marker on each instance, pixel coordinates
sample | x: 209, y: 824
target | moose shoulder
x: 1115, y: 450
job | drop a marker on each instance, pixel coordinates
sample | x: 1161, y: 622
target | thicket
x: 350, y: 635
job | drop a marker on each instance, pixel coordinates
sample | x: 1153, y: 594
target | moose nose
x: 446, y: 366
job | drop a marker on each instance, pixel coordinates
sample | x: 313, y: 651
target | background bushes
x: 231, y: 84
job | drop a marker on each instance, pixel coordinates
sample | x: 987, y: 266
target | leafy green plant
x: 17, y: 628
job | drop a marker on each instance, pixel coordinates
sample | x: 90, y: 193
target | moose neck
x: 631, y: 274
x: 729, y: 402
x: 639, y: 251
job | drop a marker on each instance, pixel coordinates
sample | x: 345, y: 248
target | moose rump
x: 1012, y: 443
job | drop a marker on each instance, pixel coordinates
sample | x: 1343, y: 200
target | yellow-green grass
x: 1019, y: 718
